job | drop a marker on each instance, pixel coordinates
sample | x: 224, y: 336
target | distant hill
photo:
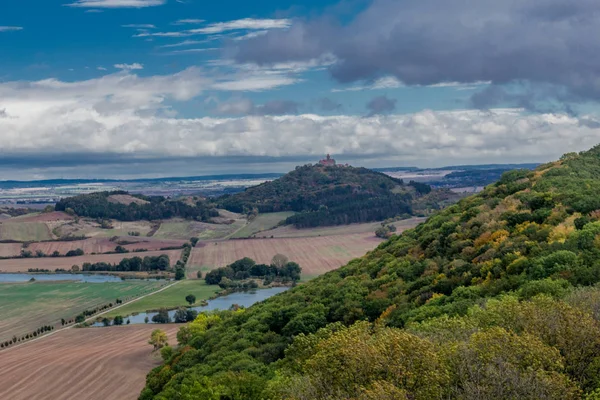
x: 335, y: 195
x: 495, y: 297
x: 123, y: 206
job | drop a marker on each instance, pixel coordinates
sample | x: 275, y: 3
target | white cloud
x: 183, y: 44
x: 129, y: 67
x: 188, y: 21
x: 112, y: 116
x: 101, y: 68
x: 391, y: 82
x: 10, y: 28
x: 116, y: 3
x: 220, y: 27
x: 139, y: 26
x: 191, y: 51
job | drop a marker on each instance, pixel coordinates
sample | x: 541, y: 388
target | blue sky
x: 165, y: 87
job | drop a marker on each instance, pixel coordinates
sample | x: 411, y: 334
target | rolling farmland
x: 86, y: 364
x: 53, y: 263
x: 26, y: 306
x: 262, y: 222
x: 315, y: 255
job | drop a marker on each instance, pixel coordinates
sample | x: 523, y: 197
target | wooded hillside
x: 490, y: 298
x: 336, y: 195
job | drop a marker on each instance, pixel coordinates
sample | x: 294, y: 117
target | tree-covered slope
x: 101, y: 205
x: 335, y: 196
x: 431, y: 328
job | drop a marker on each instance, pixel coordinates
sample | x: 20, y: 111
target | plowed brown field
x: 91, y: 364
x: 316, y: 255
x: 53, y: 263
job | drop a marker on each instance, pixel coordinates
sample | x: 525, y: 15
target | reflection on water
x: 245, y: 299
x: 12, y: 278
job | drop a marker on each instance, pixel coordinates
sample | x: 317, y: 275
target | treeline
x: 134, y: 264
x: 17, y: 339
x: 97, y: 205
x: 329, y: 196
x: 356, y: 209
x: 494, y: 297
x: 280, y: 269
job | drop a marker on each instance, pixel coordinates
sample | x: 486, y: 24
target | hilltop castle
x: 328, y: 161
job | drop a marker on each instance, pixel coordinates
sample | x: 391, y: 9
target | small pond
x: 15, y: 278
x: 245, y: 299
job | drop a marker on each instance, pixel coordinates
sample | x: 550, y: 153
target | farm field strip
x: 24, y: 231
x: 316, y: 255
x: 181, y: 229
x: 88, y: 364
x: 262, y: 222
x: 103, y: 245
x: 53, y: 263
x: 25, y: 307
x: 289, y: 231
x: 171, y: 297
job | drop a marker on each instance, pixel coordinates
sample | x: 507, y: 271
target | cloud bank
x: 428, y: 42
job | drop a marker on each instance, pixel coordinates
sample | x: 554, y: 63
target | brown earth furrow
x: 92, y: 364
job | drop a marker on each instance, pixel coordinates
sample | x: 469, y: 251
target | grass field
x: 170, y: 298
x: 179, y: 229
x: 25, y: 307
x: 24, y: 231
x: 316, y: 255
x: 289, y: 231
x: 85, y: 364
x: 53, y: 263
x: 261, y: 223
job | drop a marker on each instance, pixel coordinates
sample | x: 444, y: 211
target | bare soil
x: 84, y: 364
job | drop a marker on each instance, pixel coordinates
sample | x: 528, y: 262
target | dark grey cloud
x: 381, y: 105
x: 432, y: 41
x: 3, y: 113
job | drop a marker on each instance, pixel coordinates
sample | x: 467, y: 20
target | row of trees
x: 17, y: 339
x: 280, y: 269
x: 135, y: 264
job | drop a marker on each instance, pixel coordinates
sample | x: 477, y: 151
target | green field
x: 172, y: 297
x: 202, y: 230
x: 25, y: 231
x: 25, y: 307
x: 261, y: 223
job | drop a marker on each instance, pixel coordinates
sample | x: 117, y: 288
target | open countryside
x: 24, y: 307
x: 86, y: 364
x: 53, y: 263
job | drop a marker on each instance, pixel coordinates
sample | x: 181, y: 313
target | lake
x: 245, y: 299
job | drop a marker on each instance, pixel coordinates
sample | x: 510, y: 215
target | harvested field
x: 24, y: 231
x: 315, y: 255
x: 24, y: 307
x: 103, y: 245
x: 91, y: 364
x: 10, y: 249
x: 290, y: 231
x: 53, y: 263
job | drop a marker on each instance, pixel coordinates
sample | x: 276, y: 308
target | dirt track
x: 91, y: 364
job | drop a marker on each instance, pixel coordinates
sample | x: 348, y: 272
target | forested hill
x: 336, y: 195
x: 123, y: 206
x: 491, y: 298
